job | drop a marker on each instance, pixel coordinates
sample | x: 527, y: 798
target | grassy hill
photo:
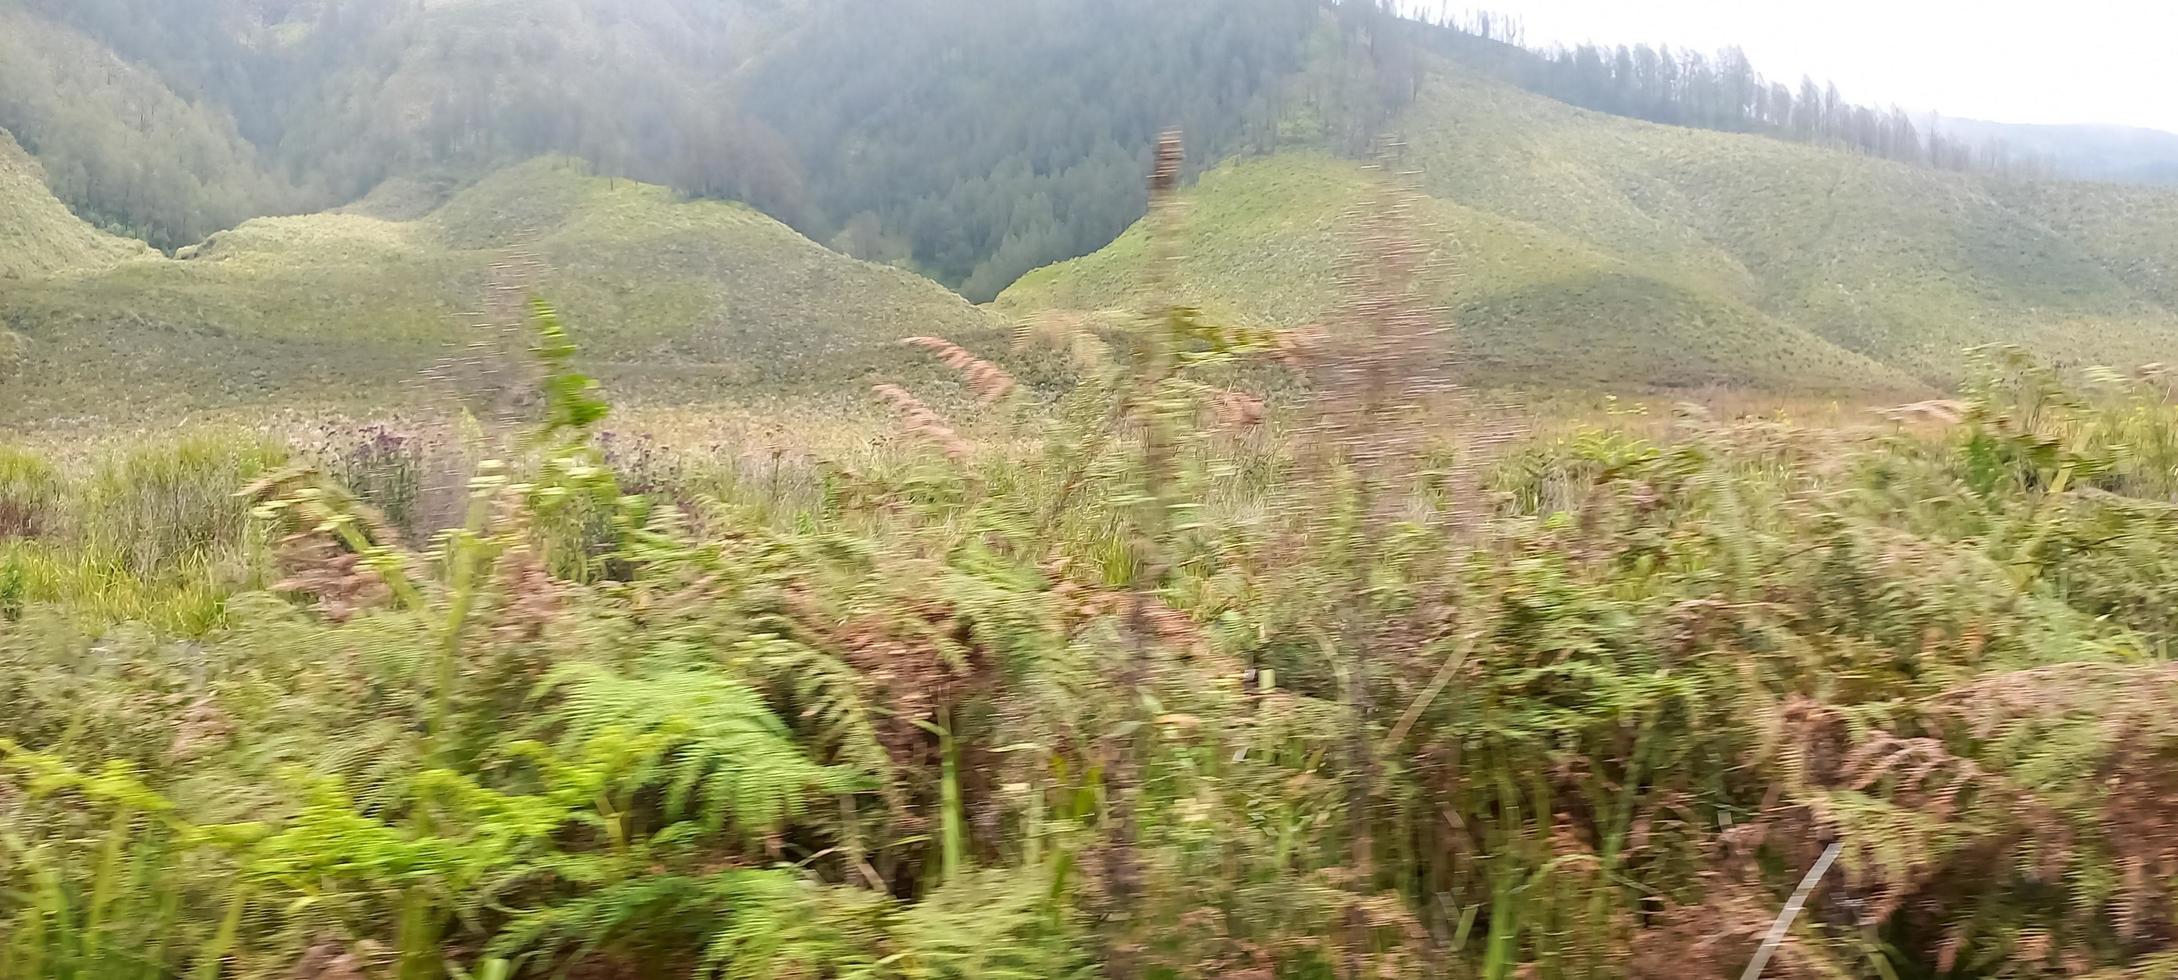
x: 1265, y: 242
x: 120, y: 145
x: 1576, y: 247
x: 40, y: 235
x: 1572, y: 249
x: 895, y: 131
x: 671, y: 300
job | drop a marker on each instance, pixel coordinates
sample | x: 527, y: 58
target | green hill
x: 119, y: 144
x: 671, y: 300
x: 896, y: 131
x: 1265, y: 242
x: 1576, y: 247
x: 40, y: 235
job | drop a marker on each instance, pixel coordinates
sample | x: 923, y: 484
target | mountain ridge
x: 2104, y: 152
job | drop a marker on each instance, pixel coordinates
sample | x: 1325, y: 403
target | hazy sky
x: 2033, y: 61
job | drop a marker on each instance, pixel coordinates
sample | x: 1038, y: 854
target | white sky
x: 2024, y: 61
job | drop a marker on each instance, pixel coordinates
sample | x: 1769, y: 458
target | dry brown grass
x: 923, y: 423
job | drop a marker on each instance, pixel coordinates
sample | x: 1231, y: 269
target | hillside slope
x: 1582, y: 247
x: 1266, y: 240
x: 118, y: 144
x: 903, y: 130
x: 39, y: 235
x: 669, y: 299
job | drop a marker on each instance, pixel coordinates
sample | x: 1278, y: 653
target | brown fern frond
x: 1811, y: 742
x: 492, y: 374
x: 1070, y: 332
x: 202, y: 729
x: 1237, y: 409
x: 339, y: 582
x: 1946, y: 411
x: 1298, y: 347
x: 328, y: 961
x: 531, y: 601
x: 1387, y: 357
x: 923, y: 422
x: 1048, y: 328
x: 989, y: 381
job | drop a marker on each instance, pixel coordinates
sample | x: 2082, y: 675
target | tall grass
x: 167, y: 506
x: 1082, y: 700
x: 151, y: 532
x: 30, y: 492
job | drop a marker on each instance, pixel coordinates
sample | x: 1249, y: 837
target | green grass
x: 681, y: 301
x: 1904, y: 265
x: 146, y: 531
x: 1575, y: 248
x: 1266, y: 240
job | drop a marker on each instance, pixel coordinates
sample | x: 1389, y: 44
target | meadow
x: 375, y: 309
x: 1107, y: 668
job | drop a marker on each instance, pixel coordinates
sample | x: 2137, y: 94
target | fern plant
x: 724, y: 758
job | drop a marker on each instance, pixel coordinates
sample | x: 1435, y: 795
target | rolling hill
x: 920, y: 130
x: 671, y: 300
x: 40, y: 235
x: 1576, y: 247
x: 1571, y: 248
x: 1266, y: 241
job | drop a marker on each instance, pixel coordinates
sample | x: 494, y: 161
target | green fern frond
x: 990, y: 924
x: 828, y: 693
x: 662, y: 907
x: 726, y: 756
x: 783, y: 926
x: 571, y: 398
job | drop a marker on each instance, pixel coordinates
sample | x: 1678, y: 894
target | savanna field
x: 1126, y: 675
x: 747, y: 490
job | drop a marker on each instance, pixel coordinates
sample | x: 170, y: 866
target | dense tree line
x: 982, y: 140
x: 314, y: 103
x: 1723, y: 91
x: 120, y: 147
x: 172, y: 120
x: 972, y: 141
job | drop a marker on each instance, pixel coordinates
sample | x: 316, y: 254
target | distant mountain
x: 2122, y: 154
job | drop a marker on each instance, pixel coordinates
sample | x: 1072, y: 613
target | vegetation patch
x: 1313, y: 688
